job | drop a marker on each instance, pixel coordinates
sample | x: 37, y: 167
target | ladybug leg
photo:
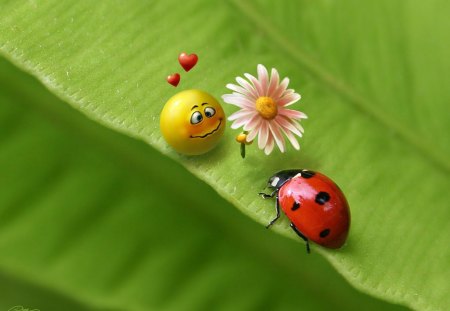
x: 277, y: 208
x: 267, y: 196
x: 302, y: 236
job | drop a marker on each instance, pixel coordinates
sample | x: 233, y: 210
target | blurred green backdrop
x: 96, y: 212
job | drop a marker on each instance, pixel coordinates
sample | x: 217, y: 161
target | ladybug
x: 314, y: 204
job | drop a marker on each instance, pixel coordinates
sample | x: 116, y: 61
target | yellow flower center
x: 266, y: 107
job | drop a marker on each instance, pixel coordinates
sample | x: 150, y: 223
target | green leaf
x: 373, y: 80
x: 93, y: 220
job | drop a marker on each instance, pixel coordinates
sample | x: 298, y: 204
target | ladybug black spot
x: 307, y: 174
x: 322, y: 197
x: 324, y: 233
x: 295, y: 206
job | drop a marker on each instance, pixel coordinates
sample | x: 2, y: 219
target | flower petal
x: 289, y: 135
x: 274, y: 79
x: 269, y: 145
x: 263, y: 77
x: 254, y: 122
x: 239, y: 122
x: 293, y: 140
x: 236, y: 88
x: 287, y: 125
x: 286, y: 93
x: 242, y: 113
x: 292, y: 114
x: 298, y: 126
x: 246, y: 85
x: 256, y: 84
x: 289, y: 99
x: 238, y: 100
x: 280, y: 89
x: 263, y: 135
x: 241, y: 90
x: 277, y: 136
x: 252, y: 134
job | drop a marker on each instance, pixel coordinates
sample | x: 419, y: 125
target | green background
x: 96, y: 212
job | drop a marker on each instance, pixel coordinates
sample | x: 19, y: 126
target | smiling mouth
x: 210, y: 133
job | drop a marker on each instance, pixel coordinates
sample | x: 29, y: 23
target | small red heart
x: 187, y: 61
x: 174, y: 79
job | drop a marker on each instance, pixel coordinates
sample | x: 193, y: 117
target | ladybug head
x: 280, y: 178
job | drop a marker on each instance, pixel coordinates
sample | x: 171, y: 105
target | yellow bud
x: 242, y: 138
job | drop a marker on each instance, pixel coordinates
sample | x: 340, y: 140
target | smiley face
x: 192, y: 122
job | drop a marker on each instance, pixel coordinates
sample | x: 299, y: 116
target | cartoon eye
x: 196, y: 117
x: 209, y: 112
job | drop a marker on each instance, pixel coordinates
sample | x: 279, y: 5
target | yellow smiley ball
x: 192, y: 122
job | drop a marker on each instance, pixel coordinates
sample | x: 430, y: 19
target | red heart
x: 187, y: 61
x: 174, y: 79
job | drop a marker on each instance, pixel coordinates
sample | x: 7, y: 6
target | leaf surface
x: 373, y: 83
x: 94, y: 220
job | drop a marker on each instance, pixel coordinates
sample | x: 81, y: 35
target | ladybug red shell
x: 316, y: 207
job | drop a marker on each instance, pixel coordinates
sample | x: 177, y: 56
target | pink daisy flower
x: 263, y: 112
